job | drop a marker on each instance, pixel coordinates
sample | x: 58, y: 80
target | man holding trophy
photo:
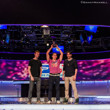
x: 54, y: 75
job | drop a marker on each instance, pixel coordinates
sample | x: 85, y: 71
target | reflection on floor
x: 82, y: 100
x: 85, y: 103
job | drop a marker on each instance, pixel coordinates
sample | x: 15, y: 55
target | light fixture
x: 47, y: 44
x: 44, y: 26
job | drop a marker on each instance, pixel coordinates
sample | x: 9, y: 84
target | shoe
x: 58, y: 101
x: 65, y: 100
x: 38, y: 102
x: 77, y: 101
x: 29, y: 102
x: 49, y: 102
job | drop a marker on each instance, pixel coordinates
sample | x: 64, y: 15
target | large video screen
x: 55, y: 50
x: 87, y: 69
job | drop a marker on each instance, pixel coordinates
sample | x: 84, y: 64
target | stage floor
x: 54, y: 107
x: 85, y: 103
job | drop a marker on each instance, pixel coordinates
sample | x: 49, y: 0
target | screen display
x: 55, y: 50
x: 3, y: 26
x: 87, y: 70
x: 91, y: 28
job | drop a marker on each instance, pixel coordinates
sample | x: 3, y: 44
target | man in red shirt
x: 54, y: 76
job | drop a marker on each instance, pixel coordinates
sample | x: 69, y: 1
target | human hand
x: 52, y: 46
x: 56, y: 46
x: 40, y: 75
x: 32, y: 78
x: 63, y: 78
x: 74, y: 78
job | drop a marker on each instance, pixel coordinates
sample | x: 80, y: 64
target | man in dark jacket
x: 69, y: 75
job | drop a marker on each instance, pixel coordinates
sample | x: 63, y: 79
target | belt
x: 51, y: 74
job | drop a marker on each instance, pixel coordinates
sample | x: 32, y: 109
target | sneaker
x: 38, y: 102
x: 29, y: 102
x: 65, y: 100
x: 77, y: 101
x: 58, y: 101
x: 49, y: 102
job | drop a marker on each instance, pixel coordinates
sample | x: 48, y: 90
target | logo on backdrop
x: 46, y: 71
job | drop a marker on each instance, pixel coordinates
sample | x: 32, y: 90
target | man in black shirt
x: 69, y: 75
x: 35, y: 72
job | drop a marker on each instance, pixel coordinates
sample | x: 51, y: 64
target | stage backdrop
x: 87, y: 69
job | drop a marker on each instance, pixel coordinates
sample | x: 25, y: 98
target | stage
x: 93, y: 95
x: 53, y: 107
x: 85, y: 103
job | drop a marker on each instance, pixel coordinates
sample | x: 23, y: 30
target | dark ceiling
x: 54, y: 12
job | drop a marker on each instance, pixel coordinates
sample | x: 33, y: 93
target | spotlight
x: 86, y: 37
x: 47, y: 44
x: 3, y: 26
x: 7, y: 38
x: 89, y: 38
x: 91, y: 28
x: 46, y: 30
x: 70, y: 41
x: 81, y: 39
x: 44, y: 26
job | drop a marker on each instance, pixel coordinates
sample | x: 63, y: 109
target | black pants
x: 52, y: 80
x: 38, y: 86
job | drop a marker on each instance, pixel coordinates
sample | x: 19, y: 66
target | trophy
x: 53, y: 40
x: 54, y: 45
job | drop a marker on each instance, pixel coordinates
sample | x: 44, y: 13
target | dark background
x: 54, y: 12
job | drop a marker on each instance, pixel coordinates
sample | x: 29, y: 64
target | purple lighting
x: 88, y: 70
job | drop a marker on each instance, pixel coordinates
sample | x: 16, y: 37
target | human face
x: 54, y: 56
x: 37, y: 54
x: 69, y: 55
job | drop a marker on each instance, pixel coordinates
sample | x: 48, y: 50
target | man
x: 69, y: 75
x: 35, y: 73
x: 54, y: 76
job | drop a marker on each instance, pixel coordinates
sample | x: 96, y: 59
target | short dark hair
x: 69, y: 52
x: 37, y: 51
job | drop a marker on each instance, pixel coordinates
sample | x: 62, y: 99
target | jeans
x: 53, y: 79
x: 38, y: 86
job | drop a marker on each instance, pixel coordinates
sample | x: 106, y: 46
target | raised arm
x: 47, y: 53
x: 61, y: 53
